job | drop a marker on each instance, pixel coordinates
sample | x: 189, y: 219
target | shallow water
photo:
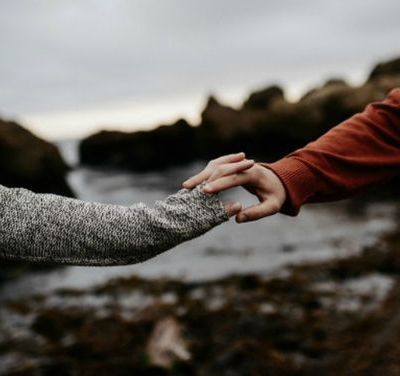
x: 319, y: 232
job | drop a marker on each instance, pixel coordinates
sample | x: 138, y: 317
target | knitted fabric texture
x: 46, y: 228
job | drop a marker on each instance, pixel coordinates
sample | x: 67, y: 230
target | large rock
x: 284, y: 126
x: 263, y: 98
x: 388, y: 68
x: 144, y: 150
x: 225, y: 122
x: 30, y: 162
x: 266, y: 126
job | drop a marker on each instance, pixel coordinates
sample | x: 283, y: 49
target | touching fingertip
x: 242, y: 218
x: 236, y: 206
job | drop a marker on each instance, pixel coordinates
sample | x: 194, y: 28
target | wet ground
x: 337, y: 317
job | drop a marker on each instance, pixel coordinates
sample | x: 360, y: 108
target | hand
x: 259, y: 181
x: 218, y: 168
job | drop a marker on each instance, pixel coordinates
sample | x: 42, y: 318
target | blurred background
x: 120, y: 101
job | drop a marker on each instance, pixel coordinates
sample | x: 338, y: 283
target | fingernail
x: 242, y: 218
x: 236, y: 206
x: 207, y: 188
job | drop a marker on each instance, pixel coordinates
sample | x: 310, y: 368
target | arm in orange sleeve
x: 360, y: 152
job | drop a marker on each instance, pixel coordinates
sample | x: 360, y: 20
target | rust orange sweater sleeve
x: 360, y: 152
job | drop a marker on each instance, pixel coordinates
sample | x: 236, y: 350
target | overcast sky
x: 67, y: 66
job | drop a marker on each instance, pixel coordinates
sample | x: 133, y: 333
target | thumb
x: 232, y: 208
x: 252, y: 213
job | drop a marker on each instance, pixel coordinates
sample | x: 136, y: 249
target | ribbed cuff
x: 298, y: 180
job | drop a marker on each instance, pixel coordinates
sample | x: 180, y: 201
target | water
x: 318, y: 233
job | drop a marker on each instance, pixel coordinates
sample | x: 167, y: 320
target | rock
x: 335, y: 81
x: 266, y: 126
x: 144, y: 150
x: 330, y: 85
x: 336, y: 101
x: 224, y: 122
x: 388, y: 68
x: 263, y: 98
x: 166, y: 344
x: 290, y: 323
x: 30, y: 162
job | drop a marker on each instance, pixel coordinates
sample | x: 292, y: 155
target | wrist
x: 276, y: 186
x: 298, y: 181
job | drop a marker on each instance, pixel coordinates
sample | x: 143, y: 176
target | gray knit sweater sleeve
x: 46, y: 228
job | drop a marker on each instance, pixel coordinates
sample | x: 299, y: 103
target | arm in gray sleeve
x: 46, y: 228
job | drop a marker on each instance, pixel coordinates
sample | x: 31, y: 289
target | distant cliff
x: 265, y: 126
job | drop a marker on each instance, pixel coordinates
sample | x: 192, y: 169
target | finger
x: 231, y: 168
x: 205, y: 174
x: 226, y: 182
x: 252, y: 213
x: 229, y: 158
x: 233, y: 208
x: 197, y: 179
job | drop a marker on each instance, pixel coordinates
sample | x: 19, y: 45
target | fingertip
x: 241, y: 218
x: 238, y: 156
x: 249, y: 162
x: 236, y: 207
x: 233, y: 208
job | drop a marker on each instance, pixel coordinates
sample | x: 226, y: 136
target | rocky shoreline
x: 337, y: 317
x: 266, y: 126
